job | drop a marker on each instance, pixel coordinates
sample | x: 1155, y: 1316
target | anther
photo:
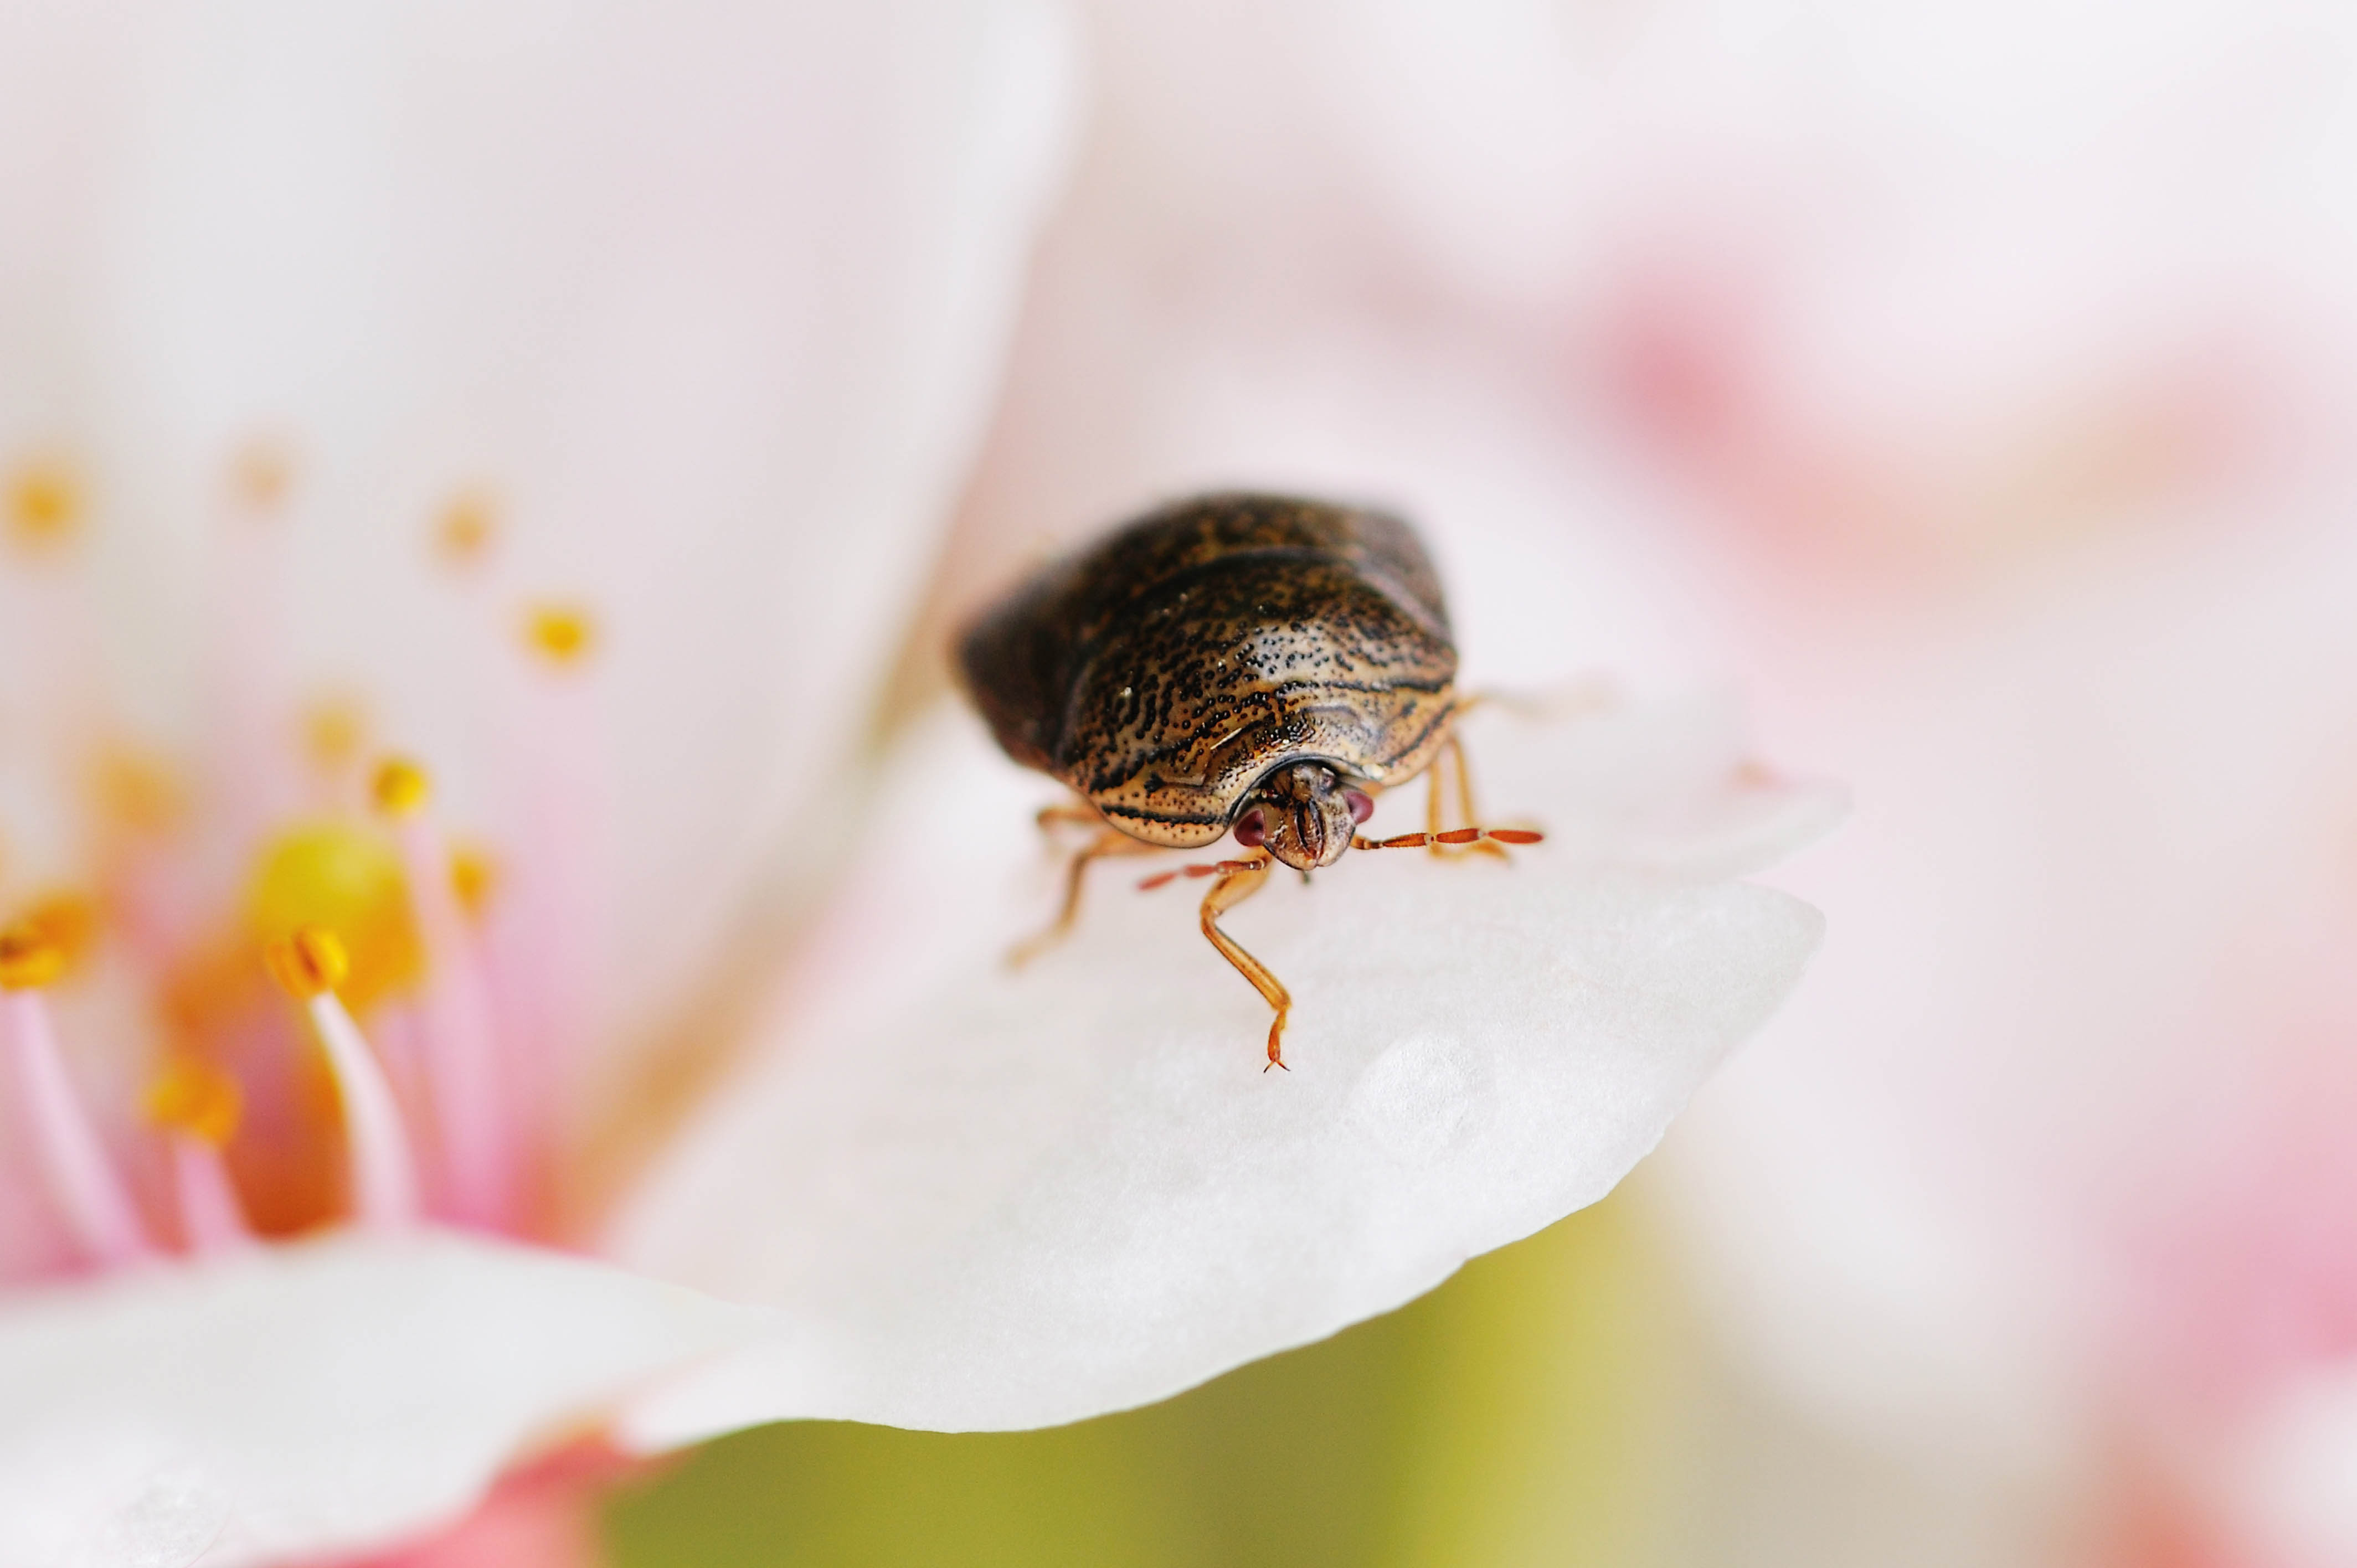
x: 44, y: 505
x: 401, y: 787
x: 464, y: 532
x: 309, y: 965
x: 473, y: 877
x: 344, y: 877
x: 196, y: 1100
x: 335, y: 728
x: 261, y: 474
x: 30, y: 956
x: 561, y: 634
x: 70, y: 921
x: 198, y: 1106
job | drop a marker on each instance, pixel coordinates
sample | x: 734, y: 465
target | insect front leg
x: 1107, y: 842
x: 1232, y: 888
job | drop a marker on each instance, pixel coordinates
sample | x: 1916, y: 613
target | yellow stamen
x: 464, y: 534
x: 29, y: 957
x: 335, y: 727
x: 71, y: 923
x: 561, y: 634
x: 474, y: 875
x: 196, y: 1098
x: 384, y: 1174
x: 44, y: 505
x: 344, y: 877
x: 310, y: 963
x: 402, y: 787
x: 261, y: 474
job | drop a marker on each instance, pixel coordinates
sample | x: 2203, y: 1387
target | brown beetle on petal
x: 1248, y: 663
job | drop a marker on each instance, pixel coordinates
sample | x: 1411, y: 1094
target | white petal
x: 2292, y: 1486
x: 309, y: 1397
x: 1672, y: 785
x: 986, y: 1199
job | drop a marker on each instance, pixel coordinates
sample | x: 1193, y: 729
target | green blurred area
x: 1515, y: 1415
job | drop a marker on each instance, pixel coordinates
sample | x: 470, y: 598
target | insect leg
x: 1452, y: 751
x: 1432, y: 813
x: 1232, y: 888
x: 1075, y: 813
x: 1107, y: 842
x: 1568, y: 700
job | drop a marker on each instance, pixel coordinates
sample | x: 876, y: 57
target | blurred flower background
x: 1967, y: 385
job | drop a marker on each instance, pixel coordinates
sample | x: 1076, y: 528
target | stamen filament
x: 545, y: 947
x: 256, y: 783
x: 198, y: 1107
x: 213, y: 1219
x: 84, y: 1183
x: 309, y: 965
x: 461, y: 1055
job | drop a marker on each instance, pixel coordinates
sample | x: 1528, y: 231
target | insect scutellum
x: 1303, y: 814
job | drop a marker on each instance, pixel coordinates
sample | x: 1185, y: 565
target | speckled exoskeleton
x: 1254, y: 664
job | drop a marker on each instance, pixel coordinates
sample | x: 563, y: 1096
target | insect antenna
x: 1218, y: 868
x: 1453, y: 836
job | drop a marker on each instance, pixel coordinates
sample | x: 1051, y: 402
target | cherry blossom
x: 480, y: 982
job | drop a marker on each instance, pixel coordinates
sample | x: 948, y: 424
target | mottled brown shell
x: 1167, y: 671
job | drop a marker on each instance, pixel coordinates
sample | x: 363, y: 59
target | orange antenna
x: 1218, y: 869
x: 1454, y: 835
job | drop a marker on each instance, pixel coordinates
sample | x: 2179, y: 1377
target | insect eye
x: 1362, y: 807
x: 1251, y: 831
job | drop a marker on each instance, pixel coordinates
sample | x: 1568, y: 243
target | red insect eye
x: 1362, y: 807
x: 1250, y: 832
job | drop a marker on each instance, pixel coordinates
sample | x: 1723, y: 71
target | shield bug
x: 1250, y: 664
